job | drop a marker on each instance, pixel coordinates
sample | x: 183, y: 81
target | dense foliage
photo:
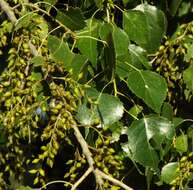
x: 96, y: 94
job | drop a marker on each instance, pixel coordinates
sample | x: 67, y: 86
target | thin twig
x: 113, y: 180
x: 7, y: 9
x: 87, y: 153
x: 83, y: 177
x: 52, y: 182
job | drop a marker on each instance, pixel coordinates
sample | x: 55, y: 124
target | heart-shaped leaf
x: 101, y: 104
x: 145, y: 25
x: 145, y: 137
x: 149, y: 86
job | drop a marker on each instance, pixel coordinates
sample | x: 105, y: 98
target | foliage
x: 93, y: 92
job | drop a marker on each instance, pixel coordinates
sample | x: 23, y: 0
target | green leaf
x: 24, y: 188
x: 49, y: 4
x: 72, y: 18
x: 25, y: 20
x: 174, y: 5
x: 181, y: 143
x: 148, y: 86
x: 187, y: 76
x: 99, y: 3
x: 145, y: 25
x: 60, y: 50
x: 136, y: 57
x: 135, y: 111
x: 167, y: 111
x: 145, y: 137
x: 117, y: 130
x: 177, y: 121
x: 117, y: 45
x: 121, y: 41
x: 77, y: 65
x: 37, y: 61
x: 36, y: 76
x: 101, y: 104
x: 87, y: 41
x: 189, y: 55
x: 169, y: 172
x: 85, y: 115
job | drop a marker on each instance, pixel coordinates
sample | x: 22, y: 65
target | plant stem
x: 7, y: 9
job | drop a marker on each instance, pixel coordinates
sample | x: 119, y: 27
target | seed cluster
x: 171, y: 59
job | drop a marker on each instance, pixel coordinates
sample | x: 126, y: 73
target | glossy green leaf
x: 87, y: 41
x: 181, y: 143
x: 101, y: 105
x: 169, y: 172
x: 149, y: 86
x: 135, y: 57
x: 37, y: 61
x: 188, y: 76
x: 85, y: 115
x: 71, y: 18
x: 59, y: 50
x: 145, y: 25
x: 145, y: 139
x: 138, y: 56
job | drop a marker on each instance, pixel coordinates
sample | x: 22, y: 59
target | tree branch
x: 87, y: 153
x: 10, y: 14
x: 7, y: 9
x: 89, y: 170
x: 113, y: 180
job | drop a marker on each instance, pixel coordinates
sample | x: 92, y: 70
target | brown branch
x: 87, y: 154
x: 83, y: 177
x: 10, y: 14
x: 113, y: 180
x: 7, y: 9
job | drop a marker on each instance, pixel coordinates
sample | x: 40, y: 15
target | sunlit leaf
x: 145, y: 25
x: 169, y: 172
x: 37, y: 61
x: 146, y: 137
x: 60, y: 50
x: 136, y: 57
x: 181, y: 143
x: 101, y: 104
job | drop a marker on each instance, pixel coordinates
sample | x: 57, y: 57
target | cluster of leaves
x: 97, y: 65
